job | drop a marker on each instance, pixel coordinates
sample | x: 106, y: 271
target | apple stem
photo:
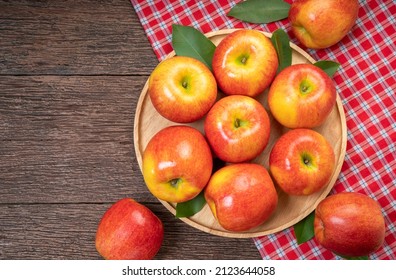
x: 243, y: 60
x: 184, y: 84
x: 306, y: 159
x: 237, y: 123
x: 305, y: 87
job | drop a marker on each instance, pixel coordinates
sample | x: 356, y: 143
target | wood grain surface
x: 70, y: 77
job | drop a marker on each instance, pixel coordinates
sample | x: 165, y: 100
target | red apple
x: 321, y: 24
x: 245, y: 63
x: 302, y: 96
x: 182, y: 89
x: 349, y: 224
x: 302, y: 161
x: 241, y: 196
x: 237, y: 128
x: 177, y: 163
x: 129, y: 230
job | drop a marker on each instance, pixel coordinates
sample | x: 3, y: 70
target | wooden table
x: 70, y: 76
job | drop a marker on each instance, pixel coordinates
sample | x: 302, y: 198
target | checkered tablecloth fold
x: 365, y: 82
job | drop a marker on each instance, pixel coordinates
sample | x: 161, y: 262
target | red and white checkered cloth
x: 365, y: 82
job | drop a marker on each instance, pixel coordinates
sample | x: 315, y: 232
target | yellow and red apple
x: 350, y: 224
x: 302, y: 162
x: 302, y: 96
x: 241, y: 196
x: 129, y: 230
x: 182, y: 89
x: 237, y: 128
x: 177, y: 163
x: 244, y: 63
x: 321, y: 24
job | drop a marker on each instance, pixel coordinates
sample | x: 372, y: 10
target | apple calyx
x: 175, y: 183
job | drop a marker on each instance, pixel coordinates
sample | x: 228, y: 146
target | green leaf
x: 188, y: 41
x: 304, y: 230
x: 191, y: 207
x: 281, y: 42
x: 260, y: 11
x: 330, y: 67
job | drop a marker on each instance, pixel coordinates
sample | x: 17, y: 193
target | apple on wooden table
x: 350, y: 224
x: 302, y: 161
x: 129, y: 230
x: 241, y: 196
x: 237, y: 128
x: 177, y: 163
x: 244, y: 63
x: 302, y: 96
x: 319, y: 24
x: 182, y: 89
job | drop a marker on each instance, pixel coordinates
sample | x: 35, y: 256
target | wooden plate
x: 291, y: 209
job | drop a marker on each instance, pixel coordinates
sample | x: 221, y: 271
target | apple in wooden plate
x: 129, y: 230
x: 302, y: 96
x: 244, y: 63
x: 241, y: 196
x: 302, y: 162
x: 182, y: 89
x: 350, y: 224
x: 321, y: 24
x: 177, y: 163
x: 237, y: 128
